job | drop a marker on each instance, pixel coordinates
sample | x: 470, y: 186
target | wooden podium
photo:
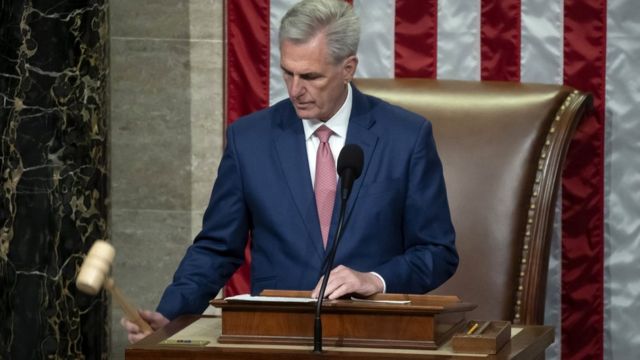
x: 351, y: 329
x: 384, y: 320
x: 527, y: 342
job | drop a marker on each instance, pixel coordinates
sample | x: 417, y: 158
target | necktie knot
x: 323, y: 133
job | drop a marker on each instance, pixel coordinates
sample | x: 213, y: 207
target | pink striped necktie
x: 325, y: 182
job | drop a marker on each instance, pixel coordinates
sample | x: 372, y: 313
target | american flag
x: 592, y: 45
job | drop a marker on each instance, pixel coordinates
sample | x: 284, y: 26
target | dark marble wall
x: 53, y: 175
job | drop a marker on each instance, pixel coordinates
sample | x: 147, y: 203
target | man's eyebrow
x: 285, y: 69
x: 308, y: 75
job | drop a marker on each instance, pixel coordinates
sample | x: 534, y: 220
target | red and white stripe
x: 592, y: 45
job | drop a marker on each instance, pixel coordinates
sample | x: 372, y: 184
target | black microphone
x: 350, y: 163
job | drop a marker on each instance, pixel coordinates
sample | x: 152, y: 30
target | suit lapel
x: 360, y: 123
x: 292, y: 153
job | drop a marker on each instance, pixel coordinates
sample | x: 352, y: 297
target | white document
x: 247, y: 297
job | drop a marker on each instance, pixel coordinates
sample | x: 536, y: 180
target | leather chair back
x: 502, y: 146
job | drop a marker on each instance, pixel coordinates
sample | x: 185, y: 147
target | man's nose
x: 297, y: 87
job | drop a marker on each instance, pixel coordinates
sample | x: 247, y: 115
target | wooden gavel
x: 94, y: 273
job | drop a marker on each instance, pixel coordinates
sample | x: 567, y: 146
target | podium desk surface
x: 527, y: 342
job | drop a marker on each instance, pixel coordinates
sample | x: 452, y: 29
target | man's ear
x: 349, y: 67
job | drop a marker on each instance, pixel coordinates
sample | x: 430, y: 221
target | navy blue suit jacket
x: 398, y: 221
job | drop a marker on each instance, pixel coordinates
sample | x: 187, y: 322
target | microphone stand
x: 317, y: 333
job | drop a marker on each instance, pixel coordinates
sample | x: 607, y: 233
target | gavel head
x: 95, y: 268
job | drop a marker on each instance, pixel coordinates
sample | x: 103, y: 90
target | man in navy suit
x: 398, y: 238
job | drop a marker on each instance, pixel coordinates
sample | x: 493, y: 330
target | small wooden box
x: 487, y: 341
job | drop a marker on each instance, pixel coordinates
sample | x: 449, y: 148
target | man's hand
x: 343, y: 280
x: 154, y: 319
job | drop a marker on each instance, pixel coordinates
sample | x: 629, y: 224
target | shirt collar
x: 338, y: 123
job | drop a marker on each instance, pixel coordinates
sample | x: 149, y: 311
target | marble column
x: 165, y: 136
x: 53, y: 174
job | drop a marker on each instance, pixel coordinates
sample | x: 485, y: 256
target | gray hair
x: 335, y: 18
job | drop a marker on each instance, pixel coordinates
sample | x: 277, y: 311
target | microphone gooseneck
x: 350, y: 163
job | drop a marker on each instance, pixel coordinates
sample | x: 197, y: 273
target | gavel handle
x: 130, y: 311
